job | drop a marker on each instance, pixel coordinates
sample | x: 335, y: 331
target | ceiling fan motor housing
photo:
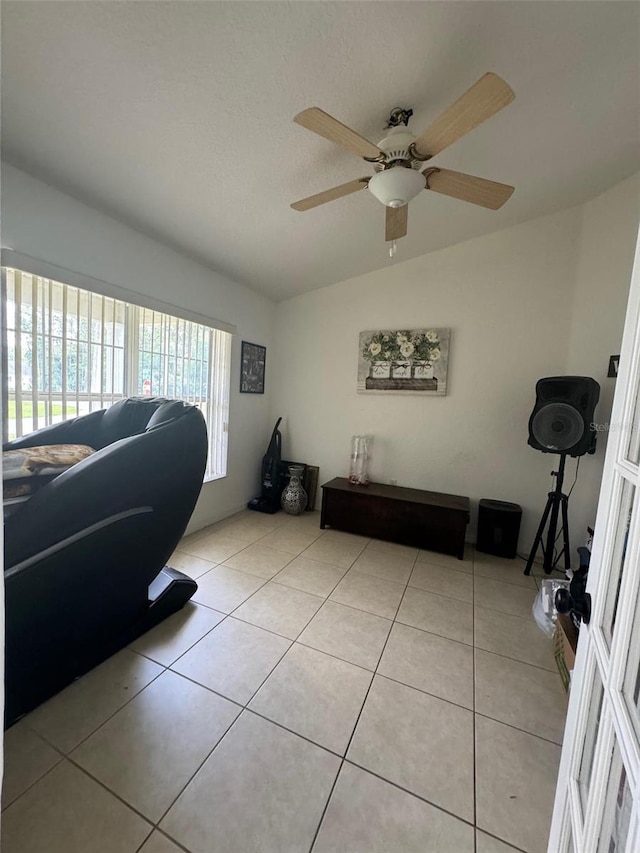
x: 395, y: 147
x: 396, y: 180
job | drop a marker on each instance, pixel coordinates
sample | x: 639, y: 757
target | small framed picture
x: 252, y: 368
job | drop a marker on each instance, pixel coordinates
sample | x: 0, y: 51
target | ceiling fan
x: 398, y: 158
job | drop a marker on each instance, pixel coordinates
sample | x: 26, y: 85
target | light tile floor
x: 322, y: 692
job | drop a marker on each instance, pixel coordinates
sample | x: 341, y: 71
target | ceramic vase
x: 294, y: 497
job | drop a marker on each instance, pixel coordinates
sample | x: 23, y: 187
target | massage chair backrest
x: 159, y: 460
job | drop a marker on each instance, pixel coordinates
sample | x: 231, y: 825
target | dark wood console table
x: 430, y: 520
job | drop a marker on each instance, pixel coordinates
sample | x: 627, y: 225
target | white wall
x: 608, y: 234
x: 547, y: 297
x: 40, y: 221
x: 509, y: 299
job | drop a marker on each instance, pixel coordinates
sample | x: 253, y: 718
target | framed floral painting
x: 409, y: 361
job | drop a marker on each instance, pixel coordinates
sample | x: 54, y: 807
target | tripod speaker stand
x: 557, y: 505
x: 562, y: 423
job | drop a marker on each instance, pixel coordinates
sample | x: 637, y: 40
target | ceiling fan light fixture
x: 396, y: 187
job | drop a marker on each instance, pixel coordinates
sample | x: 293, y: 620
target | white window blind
x: 70, y: 352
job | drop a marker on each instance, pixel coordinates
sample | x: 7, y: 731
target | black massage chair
x: 85, y: 556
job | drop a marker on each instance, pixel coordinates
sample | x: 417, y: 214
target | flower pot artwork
x: 294, y: 497
x: 422, y: 370
x: 401, y: 370
x: 404, y: 361
x: 380, y: 369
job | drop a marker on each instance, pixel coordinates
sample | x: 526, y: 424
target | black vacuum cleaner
x: 269, y: 499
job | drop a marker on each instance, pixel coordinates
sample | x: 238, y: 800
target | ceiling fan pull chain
x: 392, y: 248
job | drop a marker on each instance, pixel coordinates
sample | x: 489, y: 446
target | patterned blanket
x: 26, y: 470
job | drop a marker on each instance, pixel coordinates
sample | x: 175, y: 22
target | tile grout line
x: 256, y: 542
x: 484, y: 606
x: 211, y: 690
x: 85, y: 772
x: 293, y: 557
x: 274, y: 634
x: 372, y: 673
x: 282, y: 636
x: 243, y: 548
x: 67, y: 756
x: 515, y: 660
x: 46, y: 773
x: 82, y: 769
x: 476, y: 714
x: 375, y: 672
x: 198, y: 769
x: 282, y: 726
x: 393, y: 621
x: 293, y: 642
x: 163, y: 669
x: 245, y: 707
x: 342, y: 758
x: 357, y: 721
x: 161, y: 832
x: 182, y: 654
x: 458, y: 571
x: 284, y: 586
x: 508, y: 581
x: 353, y: 607
x: 124, y: 705
x: 411, y: 793
x: 443, y: 595
x: 255, y: 577
x: 518, y: 729
x: 271, y: 580
x: 502, y: 840
x: 462, y: 643
x: 334, y: 657
x: 93, y: 779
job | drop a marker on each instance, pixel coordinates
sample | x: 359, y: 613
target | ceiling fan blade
x: 468, y: 188
x: 330, y: 128
x: 330, y: 195
x: 396, y: 222
x: 485, y: 98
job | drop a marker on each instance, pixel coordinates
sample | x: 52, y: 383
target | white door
x: 597, y: 806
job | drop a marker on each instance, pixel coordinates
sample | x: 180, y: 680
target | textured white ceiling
x: 176, y: 117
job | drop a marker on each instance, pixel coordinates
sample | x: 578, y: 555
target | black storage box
x: 498, y: 528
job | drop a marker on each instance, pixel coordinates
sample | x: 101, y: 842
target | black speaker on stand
x: 561, y: 422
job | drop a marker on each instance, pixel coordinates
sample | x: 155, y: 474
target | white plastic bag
x: 544, y: 608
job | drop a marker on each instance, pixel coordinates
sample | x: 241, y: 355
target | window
x: 70, y: 352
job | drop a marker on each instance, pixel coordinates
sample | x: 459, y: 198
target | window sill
x: 213, y: 478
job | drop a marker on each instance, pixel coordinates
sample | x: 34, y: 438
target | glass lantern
x: 360, y: 455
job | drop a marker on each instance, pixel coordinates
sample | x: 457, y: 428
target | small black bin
x: 498, y: 528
